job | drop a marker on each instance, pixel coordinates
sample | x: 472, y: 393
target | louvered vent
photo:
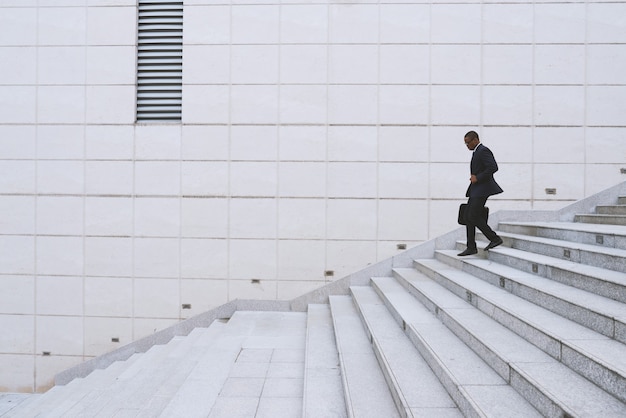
x: 160, y: 61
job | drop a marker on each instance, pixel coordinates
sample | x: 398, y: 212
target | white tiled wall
x: 316, y: 136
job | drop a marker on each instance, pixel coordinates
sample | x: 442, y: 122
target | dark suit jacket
x: 483, y: 166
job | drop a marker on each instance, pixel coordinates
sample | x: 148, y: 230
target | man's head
x: 471, y: 140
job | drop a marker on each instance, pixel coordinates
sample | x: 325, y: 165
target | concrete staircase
x: 535, y: 327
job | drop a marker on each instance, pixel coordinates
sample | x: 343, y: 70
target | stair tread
x: 463, y: 368
x: 601, y: 215
x: 574, y: 226
x: 10, y: 401
x: 614, y: 252
x: 581, y: 396
x: 596, y: 303
x: 322, y: 374
x: 365, y: 389
x: 413, y: 380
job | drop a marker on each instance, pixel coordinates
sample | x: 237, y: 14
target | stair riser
x: 611, y: 210
x: 603, y: 219
x: 621, y: 200
x: 591, y: 238
x: 547, y: 406
x: 606, y: 379
x: 600, y: 323
x: 570, y: 278
x: 620, y: 332
x: 454, y: 389
x: 564, y: 252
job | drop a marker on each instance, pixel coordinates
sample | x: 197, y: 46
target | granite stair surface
x: 535, y: 327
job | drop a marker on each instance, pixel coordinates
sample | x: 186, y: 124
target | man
x: 482, y: 185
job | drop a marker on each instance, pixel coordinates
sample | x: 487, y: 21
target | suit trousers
x: 475, y: 219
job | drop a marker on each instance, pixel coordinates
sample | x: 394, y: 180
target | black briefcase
x: 462, y: 210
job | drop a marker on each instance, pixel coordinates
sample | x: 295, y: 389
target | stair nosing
x: 603, y: 229
x: 608, y: 251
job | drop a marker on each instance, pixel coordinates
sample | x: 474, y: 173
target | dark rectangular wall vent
x: 159, y: 61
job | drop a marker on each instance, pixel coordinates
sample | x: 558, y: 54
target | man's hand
x: 473, y: 179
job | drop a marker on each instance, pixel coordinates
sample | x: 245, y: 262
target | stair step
x: 59, y: 400
x: 621, y: 200
x: 591, y: 354
x: 101, y: 390
x: 603, y: 282
x: 529, y: 370
x: 136, y: 386
x: 196, y: 394
x: 594, y: 234
x: 604, y: 315
x: 256, y: 353
x: 593, y: 255
x: 200, y: 348
x: 414, y: 386
x: 322, y: 374
x: 601, y: 219
x: 9, y: 401
x: 471, y: 382
x: 611, y: 210
x: 78, y: 389
x: 365, y: 389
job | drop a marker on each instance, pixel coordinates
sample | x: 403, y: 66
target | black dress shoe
x: 494, y: 244
x: 468, y: 251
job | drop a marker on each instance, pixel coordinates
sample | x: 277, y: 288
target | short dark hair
x: 472, y: 135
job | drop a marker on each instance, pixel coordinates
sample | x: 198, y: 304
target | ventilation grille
x: 159, y: 61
